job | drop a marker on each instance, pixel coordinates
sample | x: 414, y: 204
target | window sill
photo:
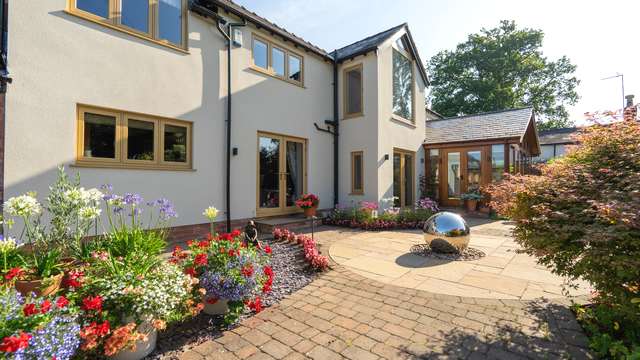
x: 106, y: 165
x: 352, y: 116
x: 266, y: 72
x: 403, y: 121
x: 127, y: 31
x: 357, y: 193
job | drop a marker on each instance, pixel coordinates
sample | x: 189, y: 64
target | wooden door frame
x: 485, y: 171
x: 282, y: 209
x: 402, y: 175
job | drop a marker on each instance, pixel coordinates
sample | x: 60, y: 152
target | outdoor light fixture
x: 235, y: 151
x: 386, y: 157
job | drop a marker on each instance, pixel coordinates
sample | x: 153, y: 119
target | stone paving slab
x: 503, y: 273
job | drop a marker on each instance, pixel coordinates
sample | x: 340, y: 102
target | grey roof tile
x: 493, y: 125
x: 366, y: 44
x: 557, y: 136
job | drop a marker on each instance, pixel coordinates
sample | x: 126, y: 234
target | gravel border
x: 291, y: 273
x: 467, y: 254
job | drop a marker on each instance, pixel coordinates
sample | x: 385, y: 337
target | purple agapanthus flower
x: 166, y: 209
x: 106, y: 187
x: 132, y: 199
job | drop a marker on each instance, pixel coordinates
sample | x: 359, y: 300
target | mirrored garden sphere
x: 447, y: 232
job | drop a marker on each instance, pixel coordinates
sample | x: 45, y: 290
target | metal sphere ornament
x: 446, y: 232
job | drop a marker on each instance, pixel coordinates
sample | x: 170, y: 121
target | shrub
x: 580, y: 216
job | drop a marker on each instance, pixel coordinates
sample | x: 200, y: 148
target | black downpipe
x: 4, y: 80
x: 336, y: 132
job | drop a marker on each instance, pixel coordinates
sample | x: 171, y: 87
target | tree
x: 503, y: 68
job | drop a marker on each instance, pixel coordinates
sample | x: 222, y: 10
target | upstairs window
x: 160, y: 21
x: 277, y: 61
x: 402, y: 86
x: 353, y: 91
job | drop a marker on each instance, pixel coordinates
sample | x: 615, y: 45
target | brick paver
x: 344, y: 315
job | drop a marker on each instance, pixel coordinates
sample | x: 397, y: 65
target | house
x: 467, y: 152
x: 554, y: 143
x: 142, y: 95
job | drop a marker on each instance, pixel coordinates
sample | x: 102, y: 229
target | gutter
x: 220, y: 22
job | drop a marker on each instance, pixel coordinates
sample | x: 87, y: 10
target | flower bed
x: 311, y: 253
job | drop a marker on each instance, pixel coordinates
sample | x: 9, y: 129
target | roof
x: 434, y: 115
x: 261, y: 22
x: 491, y: 125
x: 557, y: 136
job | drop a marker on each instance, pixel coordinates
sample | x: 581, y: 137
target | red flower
x: 190, y: 271
x: 45, y: 306
x: 236, y: 233
x: 226, y: 236
x: 200, y: 260
x: 73, y: 279
x: 92, y: 303
x: 189, y: 243
x: 231, y: 252
x: 212, y: 300
x: 247, y: 270
x: 267, y: 249
x: 203, y: 244
x: 209, y: 237
x: 268, y: 270
x: 103, y: 329
x: 255, y: 305
x: 14, y: 272
x: 15, y: 343
x: 29, y: 309
x: 62, y: 302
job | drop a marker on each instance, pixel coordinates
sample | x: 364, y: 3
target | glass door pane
x: 397, y: 175
x: 453, y: 175
x: 269, y: 176
x: 474, y: 160
x: 295, y: 172
x: 408, y: 180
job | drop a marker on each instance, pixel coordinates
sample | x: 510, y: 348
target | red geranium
x: 255, y: 305
x: 189, y: 243
x: 29, y: 309
x: 62, y: 302
x: 204, y: 244
x: 247, y: 270
x: 232, y: 252
x: 74, y: 279
x: 14, y: 272
x: 15, y: 343
x: 236, y: 233
x: 267, y: 249
x: 45, y: 306
x: 92, y: 303
x: 190, y: 271
x: 200, y: 260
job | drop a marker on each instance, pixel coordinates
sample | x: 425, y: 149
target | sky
x: 600, y: 37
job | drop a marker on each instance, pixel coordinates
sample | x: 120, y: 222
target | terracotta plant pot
x: 142, y: 348
x: 309, y: 212
x: 41, y: 287
x: 472, y: 205
x: 220, y: 307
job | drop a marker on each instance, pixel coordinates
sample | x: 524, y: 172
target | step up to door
x: 295, y: 222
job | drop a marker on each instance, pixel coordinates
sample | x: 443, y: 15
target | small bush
x: 580, y: 216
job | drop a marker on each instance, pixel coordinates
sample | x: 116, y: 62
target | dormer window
x: 160, y: 21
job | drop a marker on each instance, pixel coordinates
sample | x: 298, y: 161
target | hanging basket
x: 309, y: 212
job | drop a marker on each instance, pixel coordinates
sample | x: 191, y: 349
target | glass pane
x: 357, y: 172
x: 170, y: 20
x: 260, y: 54
x: 453, y: 174
x: 269, y: 172
x: 408, y: 180
x: 277, y: 61
x: 433, y: 181
x: 497, y: 161
x: 561, y: 150
x: 295, y: 172
x: 175, y: 143
x: 99, y: 136
x: 354, y: 92
x: 474, y: 165
x: 135, y: 14
x: 397, y: 177
x: 140, y: 139
x: 295, y: 70
x: 402, y: 86
x: 96, y: 7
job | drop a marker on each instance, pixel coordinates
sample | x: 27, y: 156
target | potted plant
x: 37, y: 327
x: 308, y: 203
x: 471, y: 199
x: 370, y: 208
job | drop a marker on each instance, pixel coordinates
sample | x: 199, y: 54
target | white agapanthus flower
x: 91, y: 196
x: 23, y: 205
x: 89, y: 212
x: 210, y: 213
x: 7, y: 244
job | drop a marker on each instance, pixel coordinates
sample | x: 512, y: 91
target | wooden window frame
x: 114, y: 21
x: 285, y: 62
x: 121, y: 160
x: 269, y: 70
x: 395, y: 116
x: 345, y: 90
x: 354, y: 190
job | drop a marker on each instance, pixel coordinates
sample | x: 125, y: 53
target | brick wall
x: 180, y: 234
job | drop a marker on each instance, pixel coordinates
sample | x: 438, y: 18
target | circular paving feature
x: 502, y: 273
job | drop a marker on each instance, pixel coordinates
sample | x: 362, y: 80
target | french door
x: 403, y: 178
x: 282, y: 177
x: 462, y: 173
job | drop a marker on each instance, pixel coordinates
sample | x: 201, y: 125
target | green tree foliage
x: 503, y: 68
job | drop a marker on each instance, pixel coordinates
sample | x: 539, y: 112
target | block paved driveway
x: 345, y: 315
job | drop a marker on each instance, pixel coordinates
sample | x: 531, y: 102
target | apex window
x: 402, y: 86
x: 353, y: 91
x: 114, y: 138
x: 161, y: 21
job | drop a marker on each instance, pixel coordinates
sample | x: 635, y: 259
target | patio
x: 501, y: 274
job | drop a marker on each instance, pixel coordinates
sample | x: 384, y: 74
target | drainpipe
x: 227, y: 35
x: 336, y: 132
x: 4, y: 80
